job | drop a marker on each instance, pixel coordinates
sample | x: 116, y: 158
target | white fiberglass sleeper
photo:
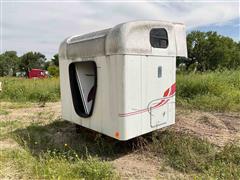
x: 121, y: 81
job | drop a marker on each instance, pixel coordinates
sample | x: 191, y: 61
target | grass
x: 47, y: 153
x: 210, y: 91
x: 13, y: 124
x: 6, y: 127
x: 56, y: 135
x: 33, y: 90
x: 190, y: 154
x: 183, y: 152
x: 56, y: 151
x: 3, y: 112
x: 15, y: 105
x: 56, y: 166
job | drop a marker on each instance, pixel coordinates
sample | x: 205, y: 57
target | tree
x: 212, y: 51
x: 55, y: 60
x: 196, y: 43
x: 9, y: 62
x: 32, y: 60
x: 47, y: 64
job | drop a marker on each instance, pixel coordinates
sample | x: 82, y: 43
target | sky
x: 42, y: 25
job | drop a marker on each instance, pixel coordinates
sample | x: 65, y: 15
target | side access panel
x: 159, y: 73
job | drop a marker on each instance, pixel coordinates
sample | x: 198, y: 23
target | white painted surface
x: 129, y: 91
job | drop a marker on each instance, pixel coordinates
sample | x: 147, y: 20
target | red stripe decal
x: 173, y: 89
x: 159, y: 103
x: 168, y: 94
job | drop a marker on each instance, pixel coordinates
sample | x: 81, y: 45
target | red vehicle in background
x: 37, y: 73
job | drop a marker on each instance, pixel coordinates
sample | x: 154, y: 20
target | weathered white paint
x: 129, y: 88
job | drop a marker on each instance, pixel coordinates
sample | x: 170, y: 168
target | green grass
x: 56, y: 166
x: 211, y: 91
x: 5, y: 124
x: 3, y: 112
x: 16, y: 105
x: 190, y: 154
x: 33, y: 90
x: 6, y: 127
x: 53, y: 152
x: 54, y: 136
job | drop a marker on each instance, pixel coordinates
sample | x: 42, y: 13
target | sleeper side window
x: 159, y: 38
x: 83, y: 84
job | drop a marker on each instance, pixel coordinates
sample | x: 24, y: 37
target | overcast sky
x: 42, y: 25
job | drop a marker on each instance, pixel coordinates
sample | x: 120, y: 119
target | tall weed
x: 217, y: 91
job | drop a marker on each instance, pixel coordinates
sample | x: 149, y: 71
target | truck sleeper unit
x: 122, y: 81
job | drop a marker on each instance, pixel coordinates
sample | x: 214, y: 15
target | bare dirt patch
x: 32, y: 113
x: 8, y: 144
x: 218, y: 128
x: 137, y: 165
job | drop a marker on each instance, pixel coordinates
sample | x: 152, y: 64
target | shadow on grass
x: 61, y: 136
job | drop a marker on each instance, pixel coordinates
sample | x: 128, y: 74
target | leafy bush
x: 53, y: 70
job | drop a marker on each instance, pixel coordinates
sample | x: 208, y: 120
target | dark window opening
x: 83, y: 84
x: 159, y: 38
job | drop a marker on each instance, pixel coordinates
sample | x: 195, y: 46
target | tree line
x: 206, y: 51
x: 210, y: 51
x: 11, y: 63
